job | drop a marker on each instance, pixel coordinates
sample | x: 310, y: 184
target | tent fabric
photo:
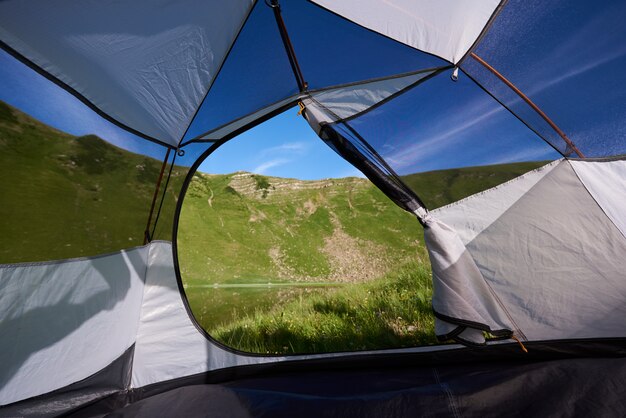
x: 69, y: 321
x: 539, y: 258
x: 463, y: 302
x: 168, y: 344
x: 605, y: 182
x: 349, y: 101
x: 61, y: 322
x: 553, y: 258
x: 447, y: 29
x: 109, y: 381
x: 474, y: 214
x: 147, y: 65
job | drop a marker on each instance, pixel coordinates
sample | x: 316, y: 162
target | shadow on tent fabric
x: 54, y: 300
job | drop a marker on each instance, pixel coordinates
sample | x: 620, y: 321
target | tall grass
x: 390, y: 312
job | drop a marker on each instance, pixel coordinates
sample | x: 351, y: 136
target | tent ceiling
x: 149, y: 66
x: 146, y: 65
x: 153, y: 68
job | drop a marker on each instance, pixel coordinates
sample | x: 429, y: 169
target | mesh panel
x: 569, y: 59
x: 441, y: 124
x: 72, y: 184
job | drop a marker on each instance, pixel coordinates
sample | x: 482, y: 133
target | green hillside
x: 244, y: 226
x: 65, y: 196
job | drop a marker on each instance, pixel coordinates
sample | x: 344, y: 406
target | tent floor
x: 569, y: 387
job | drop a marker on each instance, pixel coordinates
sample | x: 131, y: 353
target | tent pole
x: 146, y: 234
x: 530, y: 103
x: 291, y: 53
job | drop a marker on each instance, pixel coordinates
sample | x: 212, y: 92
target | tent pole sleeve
x: 530, y: 103
x: 295, y: 67
x: 146, y: 235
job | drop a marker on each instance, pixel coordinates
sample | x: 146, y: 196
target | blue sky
x: 574, y: 70
x: 284, y: 146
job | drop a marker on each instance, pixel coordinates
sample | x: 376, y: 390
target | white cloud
x: 287, y: 148
x: 262, y: 169
x: 458, y: 123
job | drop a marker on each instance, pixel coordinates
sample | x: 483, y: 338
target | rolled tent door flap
x: 466, y: 308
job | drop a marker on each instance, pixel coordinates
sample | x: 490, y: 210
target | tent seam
x: 448, y: 392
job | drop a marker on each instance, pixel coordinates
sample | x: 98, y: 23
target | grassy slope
x: 66, y: 196
x: 288, y: 231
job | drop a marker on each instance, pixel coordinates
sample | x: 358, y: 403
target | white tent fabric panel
x: 554, y: 260
x: 61, y: 322
x: 347, y: 101
x: 168, y: 344
x: 475, y: 213
x: 146, y: 64
x: 446, y: 28
x: 460, y: 291
x: 607, y: 184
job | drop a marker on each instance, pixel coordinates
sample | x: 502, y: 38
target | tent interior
x: 110, y: 111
